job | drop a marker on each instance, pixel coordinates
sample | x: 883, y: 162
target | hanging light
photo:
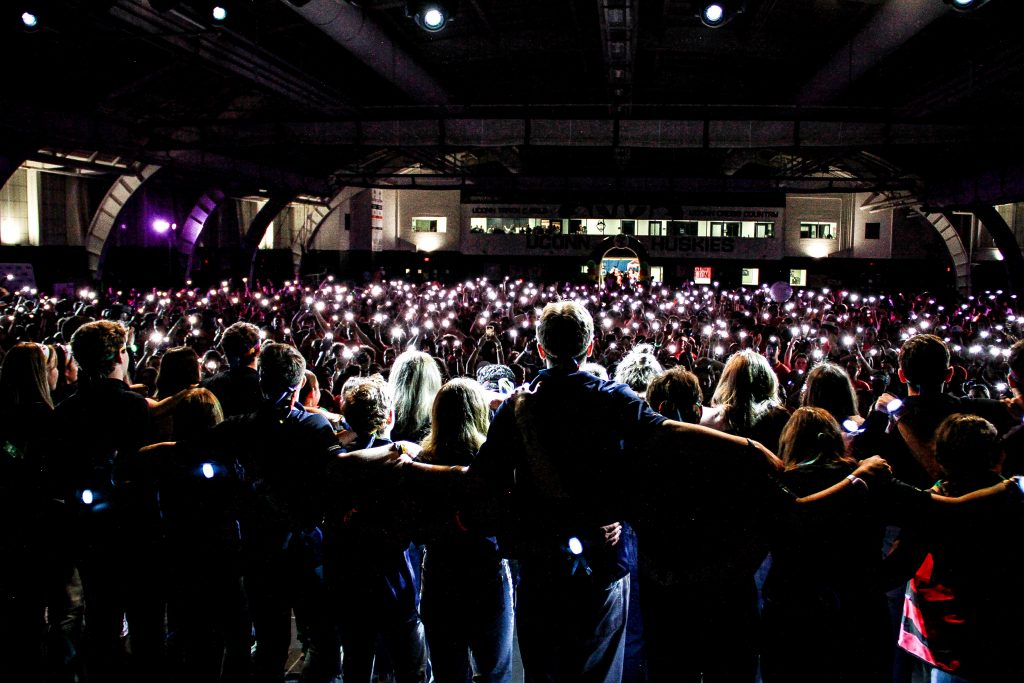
x: 965, y: 5
x: 431, y: 15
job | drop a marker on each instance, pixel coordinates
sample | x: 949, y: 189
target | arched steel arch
x: 342, y: 196
x: 258, y: 228
x: 196, y: 223
x: 955, y: 246
x: 106, y: 215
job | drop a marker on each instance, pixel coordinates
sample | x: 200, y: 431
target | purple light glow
x: 160, y: 225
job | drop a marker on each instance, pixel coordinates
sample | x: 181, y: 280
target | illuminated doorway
x: 619, y: 266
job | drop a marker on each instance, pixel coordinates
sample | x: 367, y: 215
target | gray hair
x: 638, y: 368
x: 414, y: 380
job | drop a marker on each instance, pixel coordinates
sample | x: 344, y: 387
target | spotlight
x: 160, y: 225
x: 713, y: 14
x: 219, y: 13
x: 29, y: 19
x: 431, y: 15
x: 717, y: 14
x: 965, y: 5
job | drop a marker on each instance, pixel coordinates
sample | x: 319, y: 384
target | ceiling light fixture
x: 965, y: 5
x: 431, y: 15
x: 717, y: 14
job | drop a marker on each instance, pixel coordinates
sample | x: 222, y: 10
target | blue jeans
x: 572, y: 630
x: 471, y: 617
x: 940, y: 676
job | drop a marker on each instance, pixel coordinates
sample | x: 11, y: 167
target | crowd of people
x: 648, y: 483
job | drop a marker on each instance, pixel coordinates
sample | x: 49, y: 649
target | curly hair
x: 366, y: 404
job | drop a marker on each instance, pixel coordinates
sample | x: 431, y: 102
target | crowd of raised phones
x: 413, y: 469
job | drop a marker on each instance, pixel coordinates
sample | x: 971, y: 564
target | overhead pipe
x: 355, y: 31
x: 892, y: 25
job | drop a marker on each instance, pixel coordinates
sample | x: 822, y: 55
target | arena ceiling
x: 308, y: 97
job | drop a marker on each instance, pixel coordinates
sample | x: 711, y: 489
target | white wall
x: 823, y: 208
x: 880, y: 248
x: 418, y: 203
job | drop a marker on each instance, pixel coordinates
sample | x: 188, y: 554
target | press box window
x: 872, y: 231
x: 818, y: 231
x: 430, y: 224
x: 764, y: 230
x: 730, y: 229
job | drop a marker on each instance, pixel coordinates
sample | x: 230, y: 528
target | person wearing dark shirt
x: 561, y: 450
x: 33, y: 531
x: 104, y: 424
x: 956, y: 616
x: 238, y: 386
x: 368, y: 564
x: 288, y: 461
x: 902, y: 431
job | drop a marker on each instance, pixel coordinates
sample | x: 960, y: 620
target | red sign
x: 702, y: 275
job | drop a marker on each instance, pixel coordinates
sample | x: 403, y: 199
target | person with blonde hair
x: 746, y: 402
x: 414, y: 380
x: 466, y: 601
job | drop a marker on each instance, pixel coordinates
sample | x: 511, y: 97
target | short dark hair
x: 281, y: 367
x: 966, y: 444
x: 924, y: 360
x: 241, y: 341
x: 565, y: 330
x: 97, y: 346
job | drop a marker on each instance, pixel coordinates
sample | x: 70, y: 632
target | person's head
x: 638, y: 368
x: 800, y: 362
x: 829, y: 387
x: 366, y: 405
x: 1016, y: 363
x: 211, y: 363
x: 811, y: 436
x: 497, y: 378
x: 197, y: 411
x: 241, y: 344
x: 23, y: 376
x: 924, y: 363
x: 966, y: 445
x: 99, y: 348
x: 676, y: 394
x: 595, y: 369
x: 179, y: 369
x: 414, y: 380
x: 978, y: 390
x: 282, y: 370
x: 309, y: 395
x: 565, y: 333
x: 747, y: 390
x: 458, y: 423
